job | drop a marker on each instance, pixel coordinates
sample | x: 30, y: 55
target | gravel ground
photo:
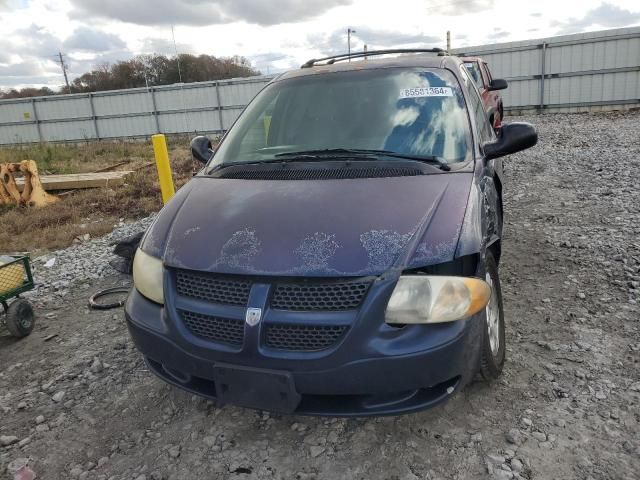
x: 81, y: 404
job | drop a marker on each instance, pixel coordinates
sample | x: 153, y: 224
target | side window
x: 474, y: 72
x: 486, y: 73
x: 476, y: 106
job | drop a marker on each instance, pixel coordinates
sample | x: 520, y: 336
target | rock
x: 96, y: 366
x: 209, y: 441
x: 526, y: 422
x: 502, y: 475
x: 39, y: 419
x: 43, y: 427
x: 75, y: 472
x: 496, y: 459
x: 516, y: 465
x: 317, y: 450
x: 174, y: 451
x: 515, y: 437
x: 6, y: 440
x: 540, y: 436
x: 476, y: 437
x: 24, y: 441
x: 58, y: 396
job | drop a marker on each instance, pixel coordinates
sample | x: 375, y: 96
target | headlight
x: 436, y: 299
x: 147, y: 276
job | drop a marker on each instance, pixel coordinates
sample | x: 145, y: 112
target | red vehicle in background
x: 487, y: 86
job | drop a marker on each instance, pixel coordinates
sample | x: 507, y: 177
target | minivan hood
x: 346, y: 227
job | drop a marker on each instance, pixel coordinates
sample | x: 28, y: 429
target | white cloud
x: 274, y: 34
x: 204, y: 12
x: 92, y: 40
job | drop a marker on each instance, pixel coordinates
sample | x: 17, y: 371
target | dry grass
x: 92, y: 211
x: 79, y: 158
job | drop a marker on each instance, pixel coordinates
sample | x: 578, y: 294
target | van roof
x: 408, y: 60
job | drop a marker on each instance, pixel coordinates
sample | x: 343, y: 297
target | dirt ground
x: 83, y: 405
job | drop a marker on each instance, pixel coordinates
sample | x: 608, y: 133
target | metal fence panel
x: 571, y: 71
x: 229, y: 116
x: 70, y: 130
x: 26, y: 133
x: 234, y: 94
x: 61, y: 107
x: 124, y: 104
x: 186, y: 98
x: 139, y: 126
x: 16, y: 112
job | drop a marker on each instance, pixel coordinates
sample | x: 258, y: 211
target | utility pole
x: 448, y: 41
x: 349, y: 32
x: 177, y: 56
x: 365, y: 51
x: 64, y: 71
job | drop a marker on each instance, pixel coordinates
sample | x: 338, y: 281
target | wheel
x: 20, y: 319
x: 492, y: 350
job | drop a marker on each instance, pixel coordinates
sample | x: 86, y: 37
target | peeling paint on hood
x: 311, y: 228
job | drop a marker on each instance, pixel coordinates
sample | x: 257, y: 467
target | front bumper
x: 375, y: 370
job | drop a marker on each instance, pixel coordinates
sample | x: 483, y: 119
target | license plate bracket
x: 261, y: 389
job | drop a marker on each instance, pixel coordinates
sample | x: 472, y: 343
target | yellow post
x: 164, y: 168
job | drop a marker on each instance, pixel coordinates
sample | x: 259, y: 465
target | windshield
x: 412, y: 112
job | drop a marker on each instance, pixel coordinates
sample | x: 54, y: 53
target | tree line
x: 147, y: 70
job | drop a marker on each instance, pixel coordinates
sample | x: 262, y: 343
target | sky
x: 275, y: 35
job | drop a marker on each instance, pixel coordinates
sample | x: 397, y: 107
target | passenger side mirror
x: 513, y: 138
x: 498, y: 84
x: 201, y: 148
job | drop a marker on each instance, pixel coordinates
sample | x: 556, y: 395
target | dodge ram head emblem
x: 253, y: 316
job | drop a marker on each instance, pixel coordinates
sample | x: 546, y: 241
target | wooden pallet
x: 74, y: 181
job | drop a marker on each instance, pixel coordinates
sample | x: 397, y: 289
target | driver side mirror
x: 498, y: 84
x: 201, y: 148
x: 513, y: 138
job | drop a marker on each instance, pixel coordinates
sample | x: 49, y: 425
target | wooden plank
x: 80, y: 180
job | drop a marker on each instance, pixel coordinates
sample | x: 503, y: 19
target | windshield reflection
x: 405, y: 111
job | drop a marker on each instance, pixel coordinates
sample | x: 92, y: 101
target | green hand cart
x: 16, y: 278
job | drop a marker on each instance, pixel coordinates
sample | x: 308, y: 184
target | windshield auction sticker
x: 418, y: 92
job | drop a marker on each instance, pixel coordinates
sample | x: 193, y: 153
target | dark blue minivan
x: 338, y: 253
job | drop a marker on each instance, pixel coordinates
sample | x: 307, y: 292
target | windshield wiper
x: 358, y: 152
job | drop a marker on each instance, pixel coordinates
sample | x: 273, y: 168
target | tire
x: 492, y: 355
x: 20, y: 318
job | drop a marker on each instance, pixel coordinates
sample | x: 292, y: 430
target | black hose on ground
x: 107, y: 306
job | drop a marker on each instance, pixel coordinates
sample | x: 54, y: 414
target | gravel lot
x: 82, y: 405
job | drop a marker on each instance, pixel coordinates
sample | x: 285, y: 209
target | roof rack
x: 346, y: 56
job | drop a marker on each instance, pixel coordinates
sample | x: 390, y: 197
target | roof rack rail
x: 346, y: 56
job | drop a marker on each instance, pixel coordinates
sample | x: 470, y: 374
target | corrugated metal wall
x: 569, y: 73
x: 206, y: 107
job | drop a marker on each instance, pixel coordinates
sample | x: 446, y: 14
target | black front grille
x: 319, y: 296
x: 318, y: 173
x: 221, y: 330
x: 303, y: 337
x: 213, y: 288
